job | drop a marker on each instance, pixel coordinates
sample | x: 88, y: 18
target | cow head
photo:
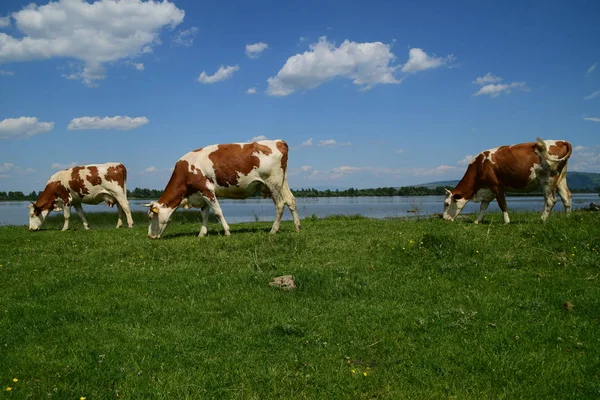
x: 37, y: 216
x: 453, y: 205
x: 158, y: 217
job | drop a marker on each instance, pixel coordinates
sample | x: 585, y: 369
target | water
x: 235, y: 211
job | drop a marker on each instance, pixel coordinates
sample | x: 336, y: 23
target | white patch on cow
x: 483, y: 195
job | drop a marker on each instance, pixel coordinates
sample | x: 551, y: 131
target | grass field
x: 387, y: 309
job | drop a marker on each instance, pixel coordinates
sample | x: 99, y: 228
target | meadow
x: 387, y: 309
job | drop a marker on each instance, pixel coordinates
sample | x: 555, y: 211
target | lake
x: 235, y: 211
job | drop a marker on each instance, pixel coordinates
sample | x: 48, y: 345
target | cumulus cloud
x: 591, y: 70
x: 418, y: 60
x: 118, y: 122
x: 4, y: 72
x: 252, y: 90
x: 593, y: 95
x: 222, y: 74
x: 185, y: 37
x: 22, y: 127
x: 366, y: 64
x: 307, y: 143
x: 306, y: 168
x: 259, y: 137
x: 4, y: 168
x: 487, y: 78
x: 585, y: 158
x: 93, y: 33
x: 254, y: 50
x: 4, y: 22
x: 593, y: 119
x: 63, y: 166
x: 150, y: 170
x: 492, y: 89
x: 8, y: 170
x: 136, y: 66
x: 399, y: 151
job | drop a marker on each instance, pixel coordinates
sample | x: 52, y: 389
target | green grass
x: 423, y: 308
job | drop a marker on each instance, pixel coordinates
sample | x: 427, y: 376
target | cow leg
x: 482, y: 209
x: 290, y: 200
x: 67, y: 214
x: 204, y: 213
x: 502, y: 203
x: 214, y: 204
x: 549, y: 201
x: 279, y: 204
x: 565, y: 193
x: 121, y: 214
x: 123, y: 207
x: 79, y: 210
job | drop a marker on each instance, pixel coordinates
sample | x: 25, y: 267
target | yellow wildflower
x: 365, y: 373
x: 8, y: 388
x: 353, y: 371
x: 15, y: 380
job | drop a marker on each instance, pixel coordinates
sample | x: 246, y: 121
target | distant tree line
x: 144, y: 194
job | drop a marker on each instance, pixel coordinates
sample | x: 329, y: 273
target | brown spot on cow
x: 283, y: 148
x: 184, y: 183
x: 52, y: 191
x: 76, y: 183
x: 230, y: 160
x: 94, y: 177
x: 117, y: 174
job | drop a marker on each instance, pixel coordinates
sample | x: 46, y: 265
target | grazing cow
x: 518, y: 168
x: 234, y: 171
x: 89, y: 184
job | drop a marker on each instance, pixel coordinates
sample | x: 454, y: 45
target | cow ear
x: 457, y: 197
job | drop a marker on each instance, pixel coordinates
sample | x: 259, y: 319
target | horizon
x: 366, y: 95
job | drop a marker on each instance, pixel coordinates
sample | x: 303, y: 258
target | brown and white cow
x: 88, y: 184
x: 234, y: 171
x: 521, y: 167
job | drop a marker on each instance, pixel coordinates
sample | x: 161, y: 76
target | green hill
x: 577, y: 181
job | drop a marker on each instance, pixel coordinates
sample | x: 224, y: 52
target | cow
x: 233, y: 171
x: 522, y: 168
x: 87, y: 184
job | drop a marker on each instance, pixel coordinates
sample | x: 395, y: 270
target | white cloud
x: 185, y: 37
x: 4, y: 72
x: 593, y: 119
x: 252, y: 90
x: 63, y: 166
x: 306, y: 168
x: 4, y: 22
x: 487, y: 78
x: 93, y: 33
x: 118, y: 122
x: 466, y: 160
x: 366, y: 64
x: 254, y: 50
x: 418, y: 60
x: 222, y: 74
x: 493, y: 90
x: 307, y: 143
x: 150, y: 170
x: 11, y: 128
x: 591, y: 69
x: 585, y: 158
x: 399, y: 173
x: 6, y: 167
x: 137, y: 66
x: 399, y: 151
x: 593, y: 95
x: 259, y: 137
x: 332, y: 143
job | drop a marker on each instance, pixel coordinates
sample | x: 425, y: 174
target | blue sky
x: 366, y: 93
